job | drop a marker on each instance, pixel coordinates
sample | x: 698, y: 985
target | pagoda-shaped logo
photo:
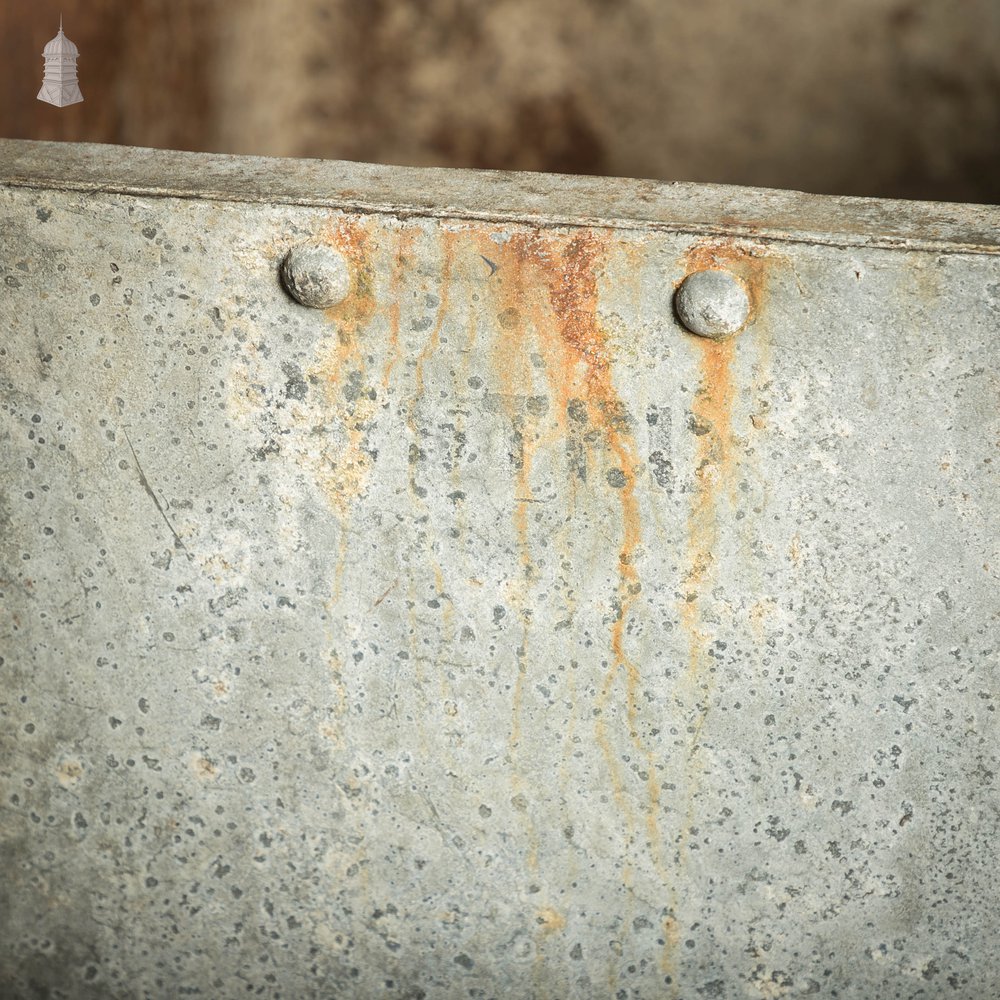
x: 59, y: 86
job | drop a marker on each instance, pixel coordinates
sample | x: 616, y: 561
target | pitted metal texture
x: 487, y: 633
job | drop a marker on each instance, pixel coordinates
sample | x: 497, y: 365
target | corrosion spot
x: 204, y: 768
x: 347, y: 402
x: 550, y: 282
x: 69, y: 772
x: 550, y: 920
x: 509, y: 319
x: 711, y: 422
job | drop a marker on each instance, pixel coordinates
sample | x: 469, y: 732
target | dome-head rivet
x: 712, y: 303
x: 316, y: 275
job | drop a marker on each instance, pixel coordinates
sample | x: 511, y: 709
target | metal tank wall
x: 463, y: 624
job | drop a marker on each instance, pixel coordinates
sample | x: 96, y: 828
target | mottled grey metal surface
x: 487, y: 634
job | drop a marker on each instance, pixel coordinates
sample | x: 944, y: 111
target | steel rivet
x: 316, y: 275
x: 712, y: 304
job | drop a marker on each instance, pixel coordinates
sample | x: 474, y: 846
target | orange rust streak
x: 434, y: 340
x: 516, y: 370
x: 524, y: 259
x: 512, y: 367
x: 574, y: 299
x: 340, y: 689
x: 404, y: 247
x: 714, y: 403
x: 579, y: 365
x: 352, y: 239
x: 566, y: 333
x: 711, y: 412
x: 714, y: 478
x: 343, y: 477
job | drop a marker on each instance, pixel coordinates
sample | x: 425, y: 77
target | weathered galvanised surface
x: 488, y: 634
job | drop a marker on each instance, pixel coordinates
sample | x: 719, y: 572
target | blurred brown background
x: 897, y: 98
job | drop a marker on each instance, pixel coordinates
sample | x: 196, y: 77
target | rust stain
x: 586, y: 369
x: 747, y: 260
x: 550, y: 920
x: 343, y: 464
x: 546, y: 290
x: 517, y: 310
x: 448, y: 239
x: 671, y: 934
x: 795, y: 550
x: 348, y: 404
x: 69, y: 772
x: 204, y: 769
x: 711, y: 421
x: 347, y: 472
x: 586, y: 366
x: 404, y: 251
x: 578, y: 367
x: 761, y: 612
x: 717, y: 456
x: 339, y: 709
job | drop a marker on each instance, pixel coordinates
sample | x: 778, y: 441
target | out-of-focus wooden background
x: 897, y: 98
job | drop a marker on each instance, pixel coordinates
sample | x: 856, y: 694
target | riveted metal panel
x: 487, y: 634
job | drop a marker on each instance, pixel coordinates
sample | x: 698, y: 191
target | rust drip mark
x: 353, y: 239
x: 716, y: 464
x: 448, y: 240
x: 404, y: 250
x: 347, y: 407
x: 205, y: 769
x: 517, y: 310
x: 348, y: 404
x: 711, y: 421
x: 586, y: 366
x: 339, y: 710
x: 747, y: 261
x: 575, y: 301
x: 550, y: 920
x: 578, y: 367
x: 516, y: 307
